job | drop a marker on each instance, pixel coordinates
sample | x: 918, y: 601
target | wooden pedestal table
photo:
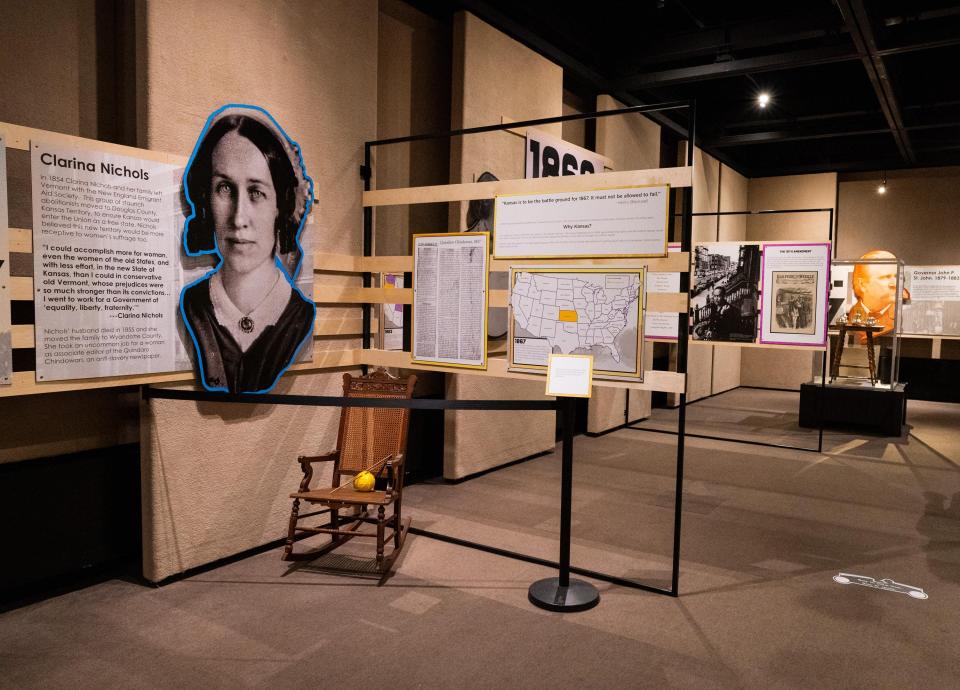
x: 845, y: 328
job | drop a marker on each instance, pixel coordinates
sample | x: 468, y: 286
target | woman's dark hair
x: 200, y: 229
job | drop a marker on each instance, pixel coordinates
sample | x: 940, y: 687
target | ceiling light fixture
x: 763, y: 99
x: 882, y: 189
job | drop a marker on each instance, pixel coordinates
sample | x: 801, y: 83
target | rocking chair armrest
x: 394, y: 469
x: 306, y: 466
x: 326, y: 457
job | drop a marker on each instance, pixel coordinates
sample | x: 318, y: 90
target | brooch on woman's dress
x: 246, y: 324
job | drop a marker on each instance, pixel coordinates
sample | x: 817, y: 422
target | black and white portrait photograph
x: 795, y: 302
x: 249, y: 195
x: 724, y: 294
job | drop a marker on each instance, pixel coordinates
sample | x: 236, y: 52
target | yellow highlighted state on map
x: 568, y: 315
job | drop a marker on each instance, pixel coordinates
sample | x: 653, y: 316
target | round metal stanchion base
x: 549, y: 595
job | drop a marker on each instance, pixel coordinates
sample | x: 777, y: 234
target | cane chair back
x: 369, y: 434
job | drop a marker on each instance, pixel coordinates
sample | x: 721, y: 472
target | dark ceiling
x: 854, y: 85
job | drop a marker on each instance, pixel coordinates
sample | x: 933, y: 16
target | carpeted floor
x: 764, y: 532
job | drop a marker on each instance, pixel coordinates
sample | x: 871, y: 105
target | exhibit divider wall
x: 28, y: 296
x: 498, y: 365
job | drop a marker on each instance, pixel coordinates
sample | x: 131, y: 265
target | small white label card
x: 570, y: 375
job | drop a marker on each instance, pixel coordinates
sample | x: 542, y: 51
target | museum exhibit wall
x: 916, y: 219
x: 632, y: 142
x: 216, y: 477
x: 58, y: 95
x: 494, y: 77
x: 781, y: 368
x: 732, y: 196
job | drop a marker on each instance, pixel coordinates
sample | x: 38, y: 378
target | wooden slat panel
x: 387, y: 264
x: 666, y: 381
x: 333, y: 294
x: 343, y: 263
x: 18, y: 137
x: 24, y: 383
x: 21, y: 288
x: 675, y: 177
x: 667, y: 302
x: 323, y: 327
x: 21, y: 336
x: 672, y: 263
x: 21, y: 240
x: 810, y: 348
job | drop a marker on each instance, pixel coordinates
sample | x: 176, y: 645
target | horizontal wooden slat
x: 344, y: 263
x: 21, y: 288
x: 21, y: 240
x: 322, y: 327
x: 333, y: 294
x: 18, y: 137
x: 666, y: 381
x: 387, y: 264
x: 24, y: 381
x: 667, y: 302
x: 21, y: 336
x: 810, y: 348
x: 672, y: 263
x: 675, y: 177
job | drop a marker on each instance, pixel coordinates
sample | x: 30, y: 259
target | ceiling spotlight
x: 763, y: 99
x: 882, y: 188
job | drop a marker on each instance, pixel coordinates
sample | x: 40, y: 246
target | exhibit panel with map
x: 576, y: 310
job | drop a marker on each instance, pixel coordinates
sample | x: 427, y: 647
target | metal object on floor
x: 561, y: 593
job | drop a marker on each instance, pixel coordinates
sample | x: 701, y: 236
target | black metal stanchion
x: 561, y: 593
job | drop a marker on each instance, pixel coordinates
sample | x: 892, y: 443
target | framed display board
x: 578, y: 310
x: 724, y: 294
x: 623, y: 222
x: 662, y: 325
x: 450, y: 297
x: 932, y: 300
x: 795, y: 283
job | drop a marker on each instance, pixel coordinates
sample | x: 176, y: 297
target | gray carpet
x: 764, y: 532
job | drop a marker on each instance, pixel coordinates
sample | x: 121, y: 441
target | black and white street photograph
x: 724, y: 295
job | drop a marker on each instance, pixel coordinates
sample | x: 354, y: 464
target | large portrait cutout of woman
x: 249, y: 197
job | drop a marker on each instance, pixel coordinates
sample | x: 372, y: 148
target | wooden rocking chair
x: 370, y: 438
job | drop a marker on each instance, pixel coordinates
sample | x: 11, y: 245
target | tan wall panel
x: 632, y: 142
x: 494, y: 77
x: 216, y: 481
x: 413, y: 97
x: 57, y: 95
x: 916, y: 219
x: 48, y: 59
x: 706, y: 186
x: 733, y: 197
x: 216, y: 477
x: 786, y: 368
